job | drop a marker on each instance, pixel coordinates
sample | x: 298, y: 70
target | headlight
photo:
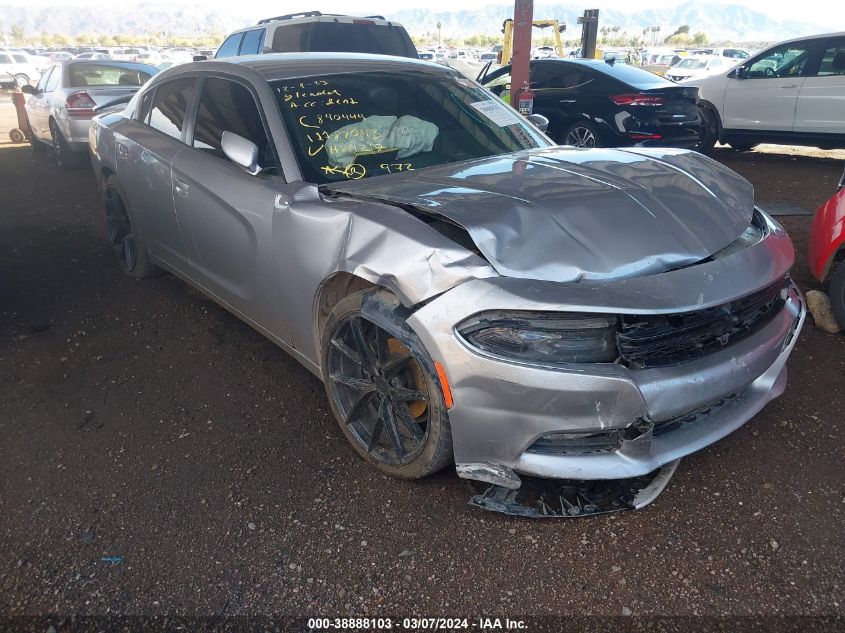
x: 548, y: 337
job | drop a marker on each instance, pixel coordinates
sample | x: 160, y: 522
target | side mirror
x: 242, y: 152
x: 29, y: 90
x: 740, y: 72
x: 200, y: 58
x: 538, y: 121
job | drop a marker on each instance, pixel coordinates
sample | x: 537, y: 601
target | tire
x: 21, y: 80
x: 709, y: 130
x: 837, y: 294
x: 38, y: 147
x: 65, y: 157
x: 740, y: 146
x: 128, y: 247
x: 16, y: 136
x: 581, y: 134
x: 383, y: 387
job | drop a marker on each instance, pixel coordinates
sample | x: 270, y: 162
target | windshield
x: 691, y: 64
x: 357, y: 125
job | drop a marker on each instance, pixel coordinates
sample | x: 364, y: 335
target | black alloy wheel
x: 379, y: 390
x: 119, y: 224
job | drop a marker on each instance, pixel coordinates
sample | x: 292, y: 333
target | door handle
x: 181, y: 187
x: 567, y: 101
x: 789, y: 86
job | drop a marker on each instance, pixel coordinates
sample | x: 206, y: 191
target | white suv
x: 792, y: 93
x: 17, y: 67
x: 313, y: 32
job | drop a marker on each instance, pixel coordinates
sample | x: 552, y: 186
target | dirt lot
x: 139, y: 421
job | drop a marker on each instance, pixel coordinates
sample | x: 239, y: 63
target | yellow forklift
x: 507, y: 47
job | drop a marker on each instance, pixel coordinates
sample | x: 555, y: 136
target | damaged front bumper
x: 507, y: 415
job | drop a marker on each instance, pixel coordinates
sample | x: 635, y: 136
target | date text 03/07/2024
x: 417, y: 623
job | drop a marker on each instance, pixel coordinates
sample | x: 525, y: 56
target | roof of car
x: 285, y: 65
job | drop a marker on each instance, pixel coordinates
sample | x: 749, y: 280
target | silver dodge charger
x: 467, y: 291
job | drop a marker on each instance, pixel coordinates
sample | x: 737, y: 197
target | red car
x: 827, y: 249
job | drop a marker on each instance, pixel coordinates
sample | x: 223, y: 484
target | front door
x: 226, y: 213
x: 766, y: 95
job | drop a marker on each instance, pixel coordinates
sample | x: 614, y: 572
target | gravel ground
x: 158, y: 457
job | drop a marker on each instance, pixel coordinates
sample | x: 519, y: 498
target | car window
x: 558, y: 75
x: 42, y: 83
x: 251, y: 44
x: 833, y: 59
x: 145, y: 106
x: 356, y: 125
x: 88, y: 74
x: 4, y: 59
x: 787, y: 60
x: 340, y: 37
x: 169, y: 105
x: 229, y: 106
x: 21, y: 59
x: 632, y: 76
x: 54, y: 81
x: 229, y: 48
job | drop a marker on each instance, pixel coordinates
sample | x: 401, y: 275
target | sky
x: 830, y: 12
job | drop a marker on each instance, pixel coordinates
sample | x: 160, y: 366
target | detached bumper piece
x: 540, y: 498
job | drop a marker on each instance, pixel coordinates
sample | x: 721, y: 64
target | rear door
x: 821, y: 101
x: 252, y: 42
x: 766, y: 97
x: 561, y: 93
x: 146, y: 149
x: 227, y: 214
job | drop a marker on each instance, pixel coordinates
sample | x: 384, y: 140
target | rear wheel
x: 383, y: 387
x: 21, y: 80
x: 128, y: 247
x: 65, y: 157
x: 837, y: 294
x: 581, y: 134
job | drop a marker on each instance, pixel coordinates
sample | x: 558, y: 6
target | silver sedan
x: 60, y: 107
x: 466, y: 291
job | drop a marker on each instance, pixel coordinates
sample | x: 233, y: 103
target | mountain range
x: 732, y: 22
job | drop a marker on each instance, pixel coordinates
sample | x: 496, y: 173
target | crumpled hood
x: 563, y: 214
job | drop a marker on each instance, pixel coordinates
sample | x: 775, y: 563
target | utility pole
x: 523, y: 22
x: 439, y: 26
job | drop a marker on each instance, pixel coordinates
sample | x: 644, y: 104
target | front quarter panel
x: 827, y: 235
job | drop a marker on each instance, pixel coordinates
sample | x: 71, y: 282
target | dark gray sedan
x: 467, y: 291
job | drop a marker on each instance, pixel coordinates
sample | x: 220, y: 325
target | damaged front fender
x: 319, y: 236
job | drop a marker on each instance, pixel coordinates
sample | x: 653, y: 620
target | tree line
x: 18, y: 37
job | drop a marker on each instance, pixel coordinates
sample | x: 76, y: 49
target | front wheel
x: 837, y: 294
x: 383, y: 387
x: 739, y: 146
x: 21, y: 80
x: 709, y: 131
